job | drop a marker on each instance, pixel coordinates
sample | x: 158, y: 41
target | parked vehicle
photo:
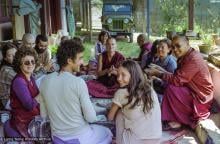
x: 117, y: 17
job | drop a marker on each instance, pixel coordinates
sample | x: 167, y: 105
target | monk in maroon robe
x: 106, y: 84
x: 189, y: 94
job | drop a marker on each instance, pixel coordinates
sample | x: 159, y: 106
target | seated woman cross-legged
x: 139, y: 120
x: 189, y: 93
x: 23, y: 95
x: 106, y: 84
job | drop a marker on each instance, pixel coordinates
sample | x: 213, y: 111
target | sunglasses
x: 176, y: 46
x: 31, y: 62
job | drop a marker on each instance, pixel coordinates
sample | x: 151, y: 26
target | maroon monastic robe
x: 105, y: 86
x: 189, y: 94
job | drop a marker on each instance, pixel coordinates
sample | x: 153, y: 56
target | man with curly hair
x: 65, y: 100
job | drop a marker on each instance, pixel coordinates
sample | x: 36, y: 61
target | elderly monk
x: 189, y: 94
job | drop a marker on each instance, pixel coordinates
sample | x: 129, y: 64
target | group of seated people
x: 167, y: 87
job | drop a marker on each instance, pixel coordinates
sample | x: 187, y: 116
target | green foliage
x: 53, y: 49
x: 97, y: 3
x: 206, y: 39
x: 88, y: 51
x: 173, y: 15
x: 127, y: 49
x: 207, y: 15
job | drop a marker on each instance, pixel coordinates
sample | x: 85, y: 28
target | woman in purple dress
x: 23, y: 95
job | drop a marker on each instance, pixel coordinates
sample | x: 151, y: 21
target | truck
x: 117, y: 18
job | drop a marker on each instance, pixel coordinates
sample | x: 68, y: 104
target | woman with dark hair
x: 23, y: 94
x: 151, y: 57
x: 100, y: 46
x: 6, y: 72
x: 139, y: 120
x: 165, y: 58
x: 166, y: 62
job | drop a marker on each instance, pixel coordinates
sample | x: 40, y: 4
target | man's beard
x: 39, y: 51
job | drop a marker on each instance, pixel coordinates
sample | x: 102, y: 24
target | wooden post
x: 84, y: 11
x: 140, y: 15
x: 148, y: 19
x: 191, y: 14
x: 87, y: 15
x: 81, y: 13
x: 49, y: 25
x: 90, y: 20
x: 63, y: 17
x: 27, y: 24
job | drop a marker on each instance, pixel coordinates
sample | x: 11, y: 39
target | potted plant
x: 216, y: 39
x: 207, y: 42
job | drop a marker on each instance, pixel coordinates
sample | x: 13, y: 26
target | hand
x: 156, y: 78
x: 113, y: 71
x: 153, y: 72
x: 157, y: 67
x: 147, y: 71
x: 49, y: 66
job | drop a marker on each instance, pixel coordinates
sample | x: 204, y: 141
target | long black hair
x: 5, y: 49
x: 168, y: 43
x: 139, y: 87
x: 152, y: 53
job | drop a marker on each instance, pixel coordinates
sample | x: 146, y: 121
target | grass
x: 127, y: 49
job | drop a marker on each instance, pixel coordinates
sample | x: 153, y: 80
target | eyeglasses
x: 31, y: 62
x: 176, y: 46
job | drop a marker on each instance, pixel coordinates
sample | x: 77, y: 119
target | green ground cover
x: 127, y: 49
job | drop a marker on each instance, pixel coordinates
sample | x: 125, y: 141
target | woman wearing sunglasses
x: 23, y: 94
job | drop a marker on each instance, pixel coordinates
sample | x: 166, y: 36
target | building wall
x: 18, y: 28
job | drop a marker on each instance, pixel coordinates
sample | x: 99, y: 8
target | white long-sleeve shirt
x: 65, y: 99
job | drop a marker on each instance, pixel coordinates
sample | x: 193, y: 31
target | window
x: 5, y: 10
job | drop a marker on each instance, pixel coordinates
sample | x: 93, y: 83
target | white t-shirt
x: 65, y: 99
x: 143, y: 125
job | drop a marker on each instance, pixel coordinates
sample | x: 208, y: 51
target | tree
x: 174, y: 14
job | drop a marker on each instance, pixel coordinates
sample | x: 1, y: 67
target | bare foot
x: 174, y: 124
